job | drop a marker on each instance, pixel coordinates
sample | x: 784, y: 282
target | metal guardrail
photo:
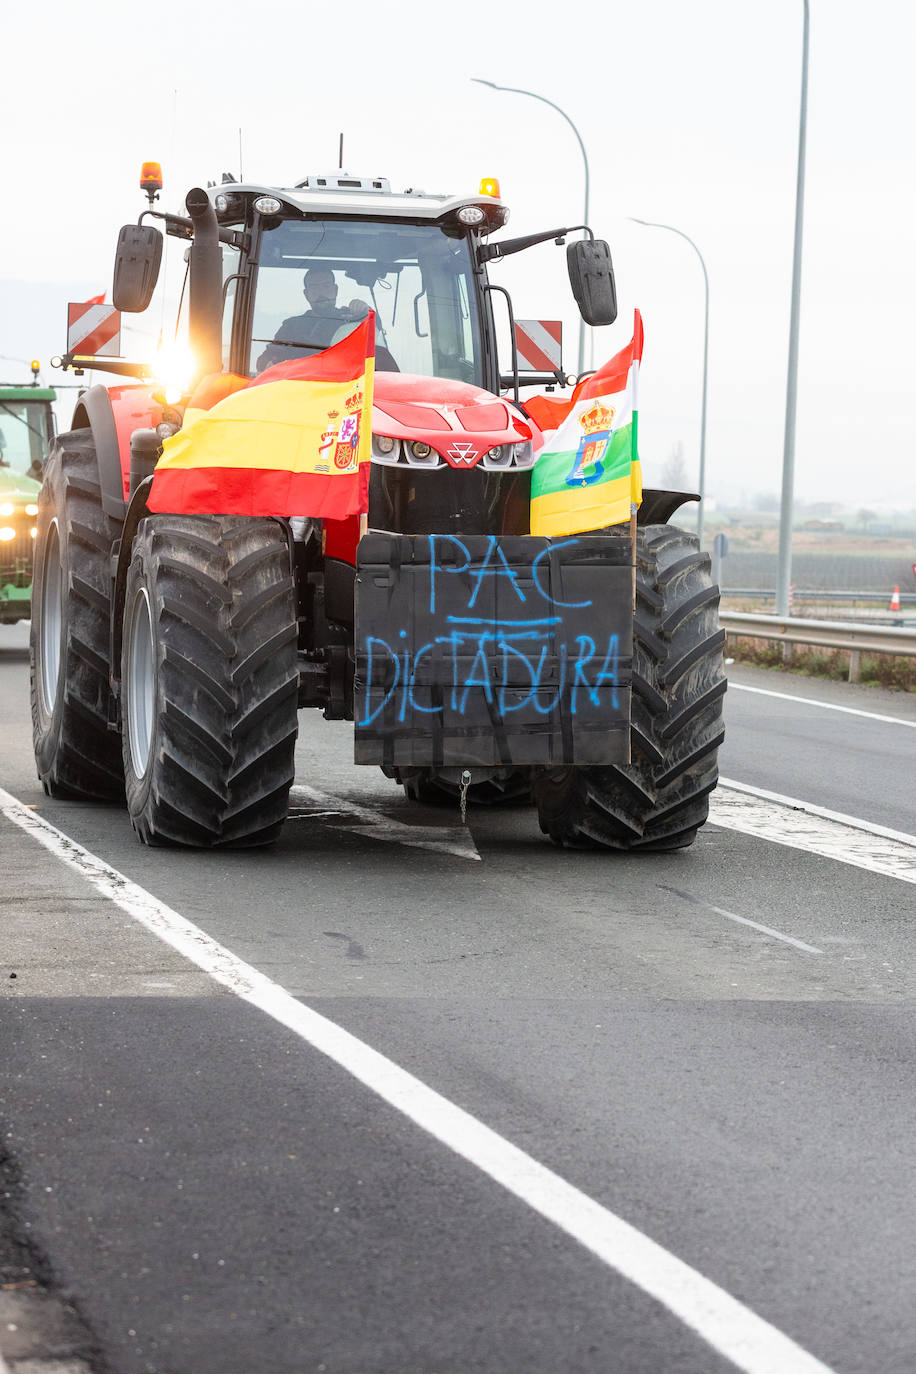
x: 827, y: 634
x: 806, y: 594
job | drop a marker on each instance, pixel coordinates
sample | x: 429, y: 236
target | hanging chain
x: 463, y: 796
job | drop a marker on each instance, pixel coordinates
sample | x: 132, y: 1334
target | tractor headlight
x: 500, y: 456
x: 523, y: 454
x: 7, y: 508
x: 31, y: 509
x: 6, y: 533
x: 385, y: 449
x: 420, y: 454
x: 503, y: 456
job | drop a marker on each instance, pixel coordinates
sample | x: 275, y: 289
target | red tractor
x: 171, y: 653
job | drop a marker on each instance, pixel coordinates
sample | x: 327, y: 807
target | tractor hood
x: 459, y: 421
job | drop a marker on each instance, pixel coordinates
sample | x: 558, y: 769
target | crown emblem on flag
x: 599, y: 418
x: 355, y: 401
x: 333, y: 414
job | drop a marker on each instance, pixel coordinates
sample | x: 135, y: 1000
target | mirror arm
x: 81, y: 363
x: 487, y: 251
x: 179, y: 226
x: 545, y: 379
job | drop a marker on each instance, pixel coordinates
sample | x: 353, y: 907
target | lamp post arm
x: 651, y: 224
x: 518, y: 90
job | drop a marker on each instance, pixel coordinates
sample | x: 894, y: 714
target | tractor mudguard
x: 658, y: 505
x: 493, y: 650
x: 112, y: 414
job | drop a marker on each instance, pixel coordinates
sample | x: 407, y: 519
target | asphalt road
x: 824, y: 752
x: 714, y: 1046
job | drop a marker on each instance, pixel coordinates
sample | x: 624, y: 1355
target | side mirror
x: 136, y: 269
x: 591, y: 276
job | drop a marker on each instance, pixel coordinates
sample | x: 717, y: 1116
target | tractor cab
x: 26, y: 432
x: 278, y: 273
x: 26, y: 429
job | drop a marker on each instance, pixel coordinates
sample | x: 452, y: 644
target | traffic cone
x: 895, y: 600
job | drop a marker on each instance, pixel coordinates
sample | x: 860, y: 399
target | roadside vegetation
x: 876, y: 670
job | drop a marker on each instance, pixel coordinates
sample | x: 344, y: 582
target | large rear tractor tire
x: 209, y: 681
x: 76, y: 753
x: 659, y: 800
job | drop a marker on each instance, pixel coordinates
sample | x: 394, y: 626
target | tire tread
x: 224, y: 599
x: 660, y: 799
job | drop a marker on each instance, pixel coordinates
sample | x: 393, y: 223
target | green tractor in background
x: 26, y: 430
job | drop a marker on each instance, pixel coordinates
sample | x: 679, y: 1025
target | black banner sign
x: 486, y: 650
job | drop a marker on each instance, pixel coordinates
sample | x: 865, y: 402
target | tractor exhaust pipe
x: 205, y: 301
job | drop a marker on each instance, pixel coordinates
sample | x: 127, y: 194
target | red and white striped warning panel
x: 93, y: 330
x: 539, y: 344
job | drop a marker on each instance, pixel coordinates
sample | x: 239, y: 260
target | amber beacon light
x: 489, y: 187
x: 151, y: 179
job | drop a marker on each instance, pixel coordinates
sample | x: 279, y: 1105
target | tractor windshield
x: 25, y: 435
x: 317, y: 279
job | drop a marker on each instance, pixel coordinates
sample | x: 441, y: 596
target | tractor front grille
x: 17, y: 555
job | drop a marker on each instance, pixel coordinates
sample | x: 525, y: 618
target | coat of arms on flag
x: 596, y: 424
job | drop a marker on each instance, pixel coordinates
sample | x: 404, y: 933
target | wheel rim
x: 141, y: 684
x: 51, y: 618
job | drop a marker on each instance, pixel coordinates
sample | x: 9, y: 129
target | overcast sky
x: 689, y: 115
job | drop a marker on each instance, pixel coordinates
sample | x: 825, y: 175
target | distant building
x: 824, y: 526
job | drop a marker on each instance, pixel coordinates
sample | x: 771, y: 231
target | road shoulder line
x: 802, y: 825
x: 824, y: 705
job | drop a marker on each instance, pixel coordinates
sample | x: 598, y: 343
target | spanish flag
x: 294, y: 441
x: 587, y: 475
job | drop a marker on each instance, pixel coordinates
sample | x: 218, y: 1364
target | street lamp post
x: 784, y: 572
x: 534, y: 96
x: 702, y: 482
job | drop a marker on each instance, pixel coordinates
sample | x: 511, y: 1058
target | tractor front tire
x: 209, y: 681
x: 76, y: 753
x: 659, y: 800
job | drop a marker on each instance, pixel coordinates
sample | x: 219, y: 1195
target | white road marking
x: 824, y: 705
x: 730, y: 1328
x: 743, y: 920
x: 455, y: 839
x: 801, y: 826
x: 855, y: 821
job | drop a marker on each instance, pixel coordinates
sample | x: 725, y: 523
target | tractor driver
x: 304, y: 334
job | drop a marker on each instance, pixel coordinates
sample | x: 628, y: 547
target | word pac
x: 490, y: 651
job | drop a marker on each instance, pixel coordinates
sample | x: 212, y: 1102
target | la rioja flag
x: 587, y: 475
